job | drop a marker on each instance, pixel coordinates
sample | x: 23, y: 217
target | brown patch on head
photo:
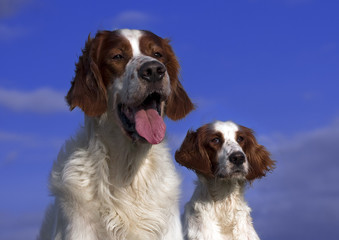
x: 103, y: 59
x: 258, y: 157
x: 178, y: 104
x: 199, y: 150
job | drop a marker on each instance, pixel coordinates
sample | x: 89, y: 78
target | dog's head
x: 224, y: 150
x: 133, y: 74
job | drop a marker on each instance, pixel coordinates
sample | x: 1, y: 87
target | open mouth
x: 144, y: 121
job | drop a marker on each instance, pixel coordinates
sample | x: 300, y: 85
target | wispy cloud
x: 29, y: 140
x: 9, y: 32
x: 8, y: 158
x: 21, y: 139
x: 27, y: 147
x: 131, y: 18
x: 329, y: 47
x: 290, y: 2
x: 9, y: 137
x: 304, y: 185
x: 20, y: 226
x: 174, y: 140
x: 297, y: 2
x: 9, y: 8
x: 43, y: 100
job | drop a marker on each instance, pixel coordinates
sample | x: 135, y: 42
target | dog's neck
x: 124, y: 157
x: 220, y: 203
x: 218, y: 190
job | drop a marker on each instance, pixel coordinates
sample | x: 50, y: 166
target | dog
x: 225, y: 156
x: 116, y: 178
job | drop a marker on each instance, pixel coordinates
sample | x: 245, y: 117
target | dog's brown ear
x: 258, y: 157
x: 88, y: 91
x: 178, y: 104
x: 193, y: 155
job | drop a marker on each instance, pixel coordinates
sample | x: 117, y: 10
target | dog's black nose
x: 237, y: 158
x: 152, y: 71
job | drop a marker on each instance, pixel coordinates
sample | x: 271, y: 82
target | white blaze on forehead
x: 228, y: 129
x: 133, y: 36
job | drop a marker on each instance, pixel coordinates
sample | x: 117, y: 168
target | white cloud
x: 131, y: 18
x: 282, y: 143
x: 174, y: 140
x: 20, y: 226
x: 329, y: 47
x: 13, y: 137
x: 8, y: 158
x: 297, y: 2
x: 8, y: 33
x: 9, y: 8
x: 21, y: 140
x: 43, y: 100
x: 301, y: 194
x: 17, y: 148
x: 29, y: 140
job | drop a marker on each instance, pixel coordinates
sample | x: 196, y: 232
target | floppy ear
x: 258, y: 157
x: 193, y: 156
x: 178, y: 104
x: 88, y: 91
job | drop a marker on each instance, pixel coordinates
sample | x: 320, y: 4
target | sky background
x: 272, y: 66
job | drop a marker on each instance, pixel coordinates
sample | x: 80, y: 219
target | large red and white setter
x: 116, y: 178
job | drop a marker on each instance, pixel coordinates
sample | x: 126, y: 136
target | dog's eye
x: 157, y: 55
x: 240, y: 139
x: 118, y: 57
x: 215, y: 140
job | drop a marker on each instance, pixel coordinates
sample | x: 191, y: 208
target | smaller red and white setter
x: 225, y: 156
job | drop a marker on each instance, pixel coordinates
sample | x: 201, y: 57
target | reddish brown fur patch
x: 258, y: 157
x: 178, y: 104
x: 94, y: 72
x: 114, y: 44
x: 87, y: 90
x: 199, y: 150
x: 189, y: 155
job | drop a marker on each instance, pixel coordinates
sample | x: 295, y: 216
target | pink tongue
x: 150, y: 125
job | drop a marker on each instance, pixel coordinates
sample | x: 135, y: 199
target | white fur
x: 133, y: 37
x: 108, y: 187
x: 217, y: 209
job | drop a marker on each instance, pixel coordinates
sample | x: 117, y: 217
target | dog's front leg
x: 73, y: 224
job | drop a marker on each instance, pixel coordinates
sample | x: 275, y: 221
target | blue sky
x: 269, y: 65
